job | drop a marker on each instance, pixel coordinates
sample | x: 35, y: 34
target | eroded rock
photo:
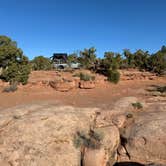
x: 87, y: 84
x: 147, y: 141
x: 63, y: 85
x: 43, y: 134
x: 146, y: 137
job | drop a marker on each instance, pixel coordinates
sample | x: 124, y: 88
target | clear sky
x: 42, y: 27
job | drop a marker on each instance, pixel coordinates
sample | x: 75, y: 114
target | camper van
x: 60, y: 61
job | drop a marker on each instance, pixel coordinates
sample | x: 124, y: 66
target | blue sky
x: 42, y: 27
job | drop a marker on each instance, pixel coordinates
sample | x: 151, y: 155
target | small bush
x: 78, y: 141
x: 113, y: 76
x: 90, y: 140
x: 84, y: 76
x: 98, y: 136
x: 76, y: 75
x: 10, y: 88
x: 137, y: 105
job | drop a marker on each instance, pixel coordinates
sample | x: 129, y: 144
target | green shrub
x: 157, y: 63
x: 84, y: 76
x: 79, y: 139
x: 41, y: 63
x: 14, y: 65
x: 111, y: 61
x: 137, y: 105
x: 113, y: 76
x: 16, y: 73
x: 87, y: 58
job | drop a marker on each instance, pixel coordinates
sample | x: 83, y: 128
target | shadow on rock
x: 128, y: 164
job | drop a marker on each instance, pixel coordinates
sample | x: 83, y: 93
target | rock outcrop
x: 43, y: 135
x: 63, y: 85
x: 144, y: 140
x: 106, y: 154
x: 133, y: 74
x: 147, y: 139
x: 87, y: 84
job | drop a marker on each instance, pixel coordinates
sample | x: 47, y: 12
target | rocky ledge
x: 51, y: 135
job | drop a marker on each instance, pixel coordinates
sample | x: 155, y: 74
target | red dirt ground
x: 102, y: 96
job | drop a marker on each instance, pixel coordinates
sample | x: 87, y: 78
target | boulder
x: 100, y: 80
x: 95, y: 157
x: 106, y: 154
x: 77, y: 81
x: 145, y: 139
x: 87, y: 84
x: 63, y: 86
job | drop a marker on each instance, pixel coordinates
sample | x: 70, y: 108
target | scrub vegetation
x: 15, y: 66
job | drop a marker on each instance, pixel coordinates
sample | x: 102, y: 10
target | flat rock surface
x: 43, y: 134
x: 40, y: 135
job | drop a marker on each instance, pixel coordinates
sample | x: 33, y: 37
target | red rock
x: 62, y: 86
x: 87, y: 84
x: 77, y: 82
